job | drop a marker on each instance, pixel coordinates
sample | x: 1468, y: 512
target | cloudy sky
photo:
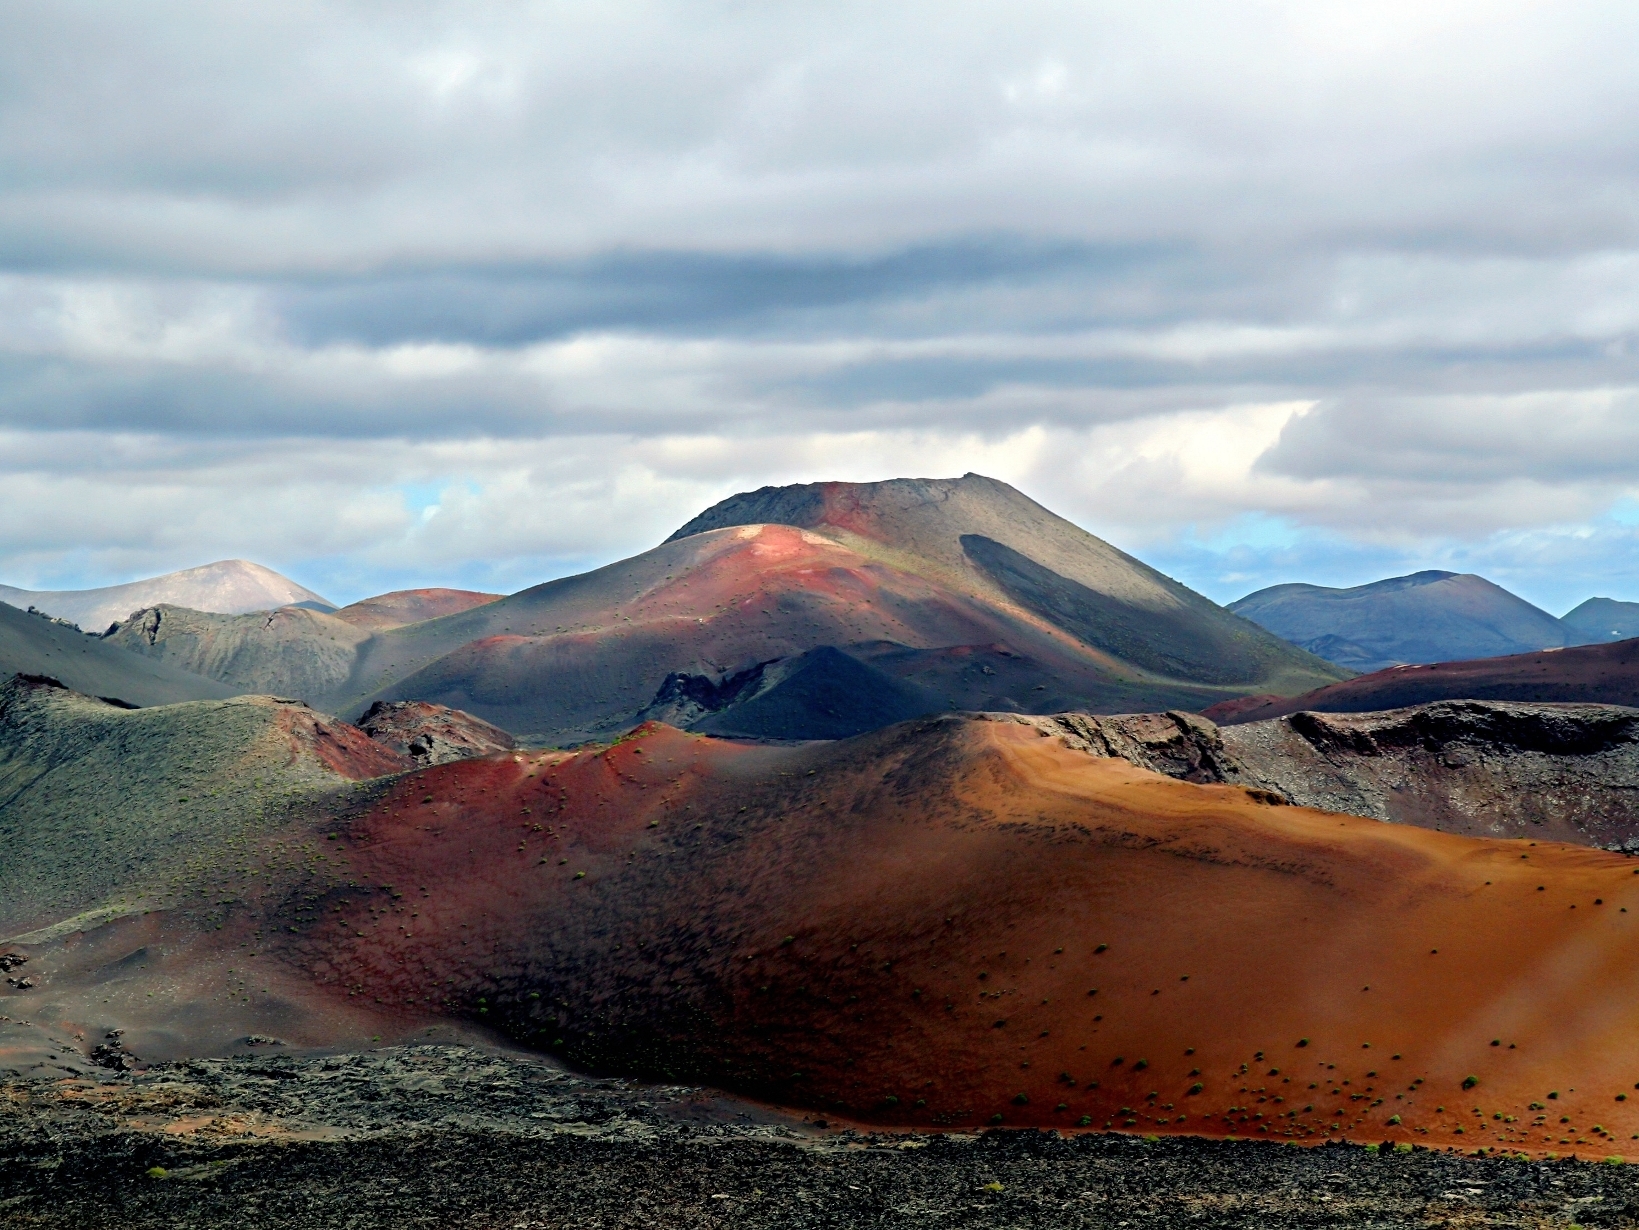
x: 383, y: 294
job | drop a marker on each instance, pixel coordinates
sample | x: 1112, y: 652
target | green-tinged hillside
x: 101, y: 805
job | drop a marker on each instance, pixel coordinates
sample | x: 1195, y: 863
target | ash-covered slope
x: 1581, y: 674
x: 1424, y: 617
x: 34, y: 644
x: 102, y: 806
x: 966, y: 593
x: 290, y: 651
x: 229, y: 586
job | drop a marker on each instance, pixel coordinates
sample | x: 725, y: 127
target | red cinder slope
x: 1594, y: 674
x: 956, y: 922
x: 409, y: 606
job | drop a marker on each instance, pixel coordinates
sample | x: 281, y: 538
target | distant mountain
x: 42, y: 646
x: 1582, y: 674
x: 1424, y: 617
x: 1600, y: 620
x: 791, y: 613
x: 229, y: 587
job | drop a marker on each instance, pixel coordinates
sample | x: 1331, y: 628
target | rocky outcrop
x: 432, y: 734
x: 1485, y: 768
x: 1178, y: 744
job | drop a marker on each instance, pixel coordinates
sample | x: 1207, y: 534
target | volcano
x: 787, y: 613
x: 230, y: 586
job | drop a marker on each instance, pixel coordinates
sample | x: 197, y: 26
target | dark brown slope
x: 39, y: 645
x: 1588, y: 674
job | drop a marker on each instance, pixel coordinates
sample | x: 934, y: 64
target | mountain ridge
x: 230, y: 587
x: 963, y: 592
x: 1428, y: 616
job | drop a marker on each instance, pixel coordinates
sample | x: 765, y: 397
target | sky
x: 383, y: 295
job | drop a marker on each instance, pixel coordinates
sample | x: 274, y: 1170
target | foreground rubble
x: 429, y: 1136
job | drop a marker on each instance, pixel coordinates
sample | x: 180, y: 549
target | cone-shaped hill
x: 950, y: 922
x: 231, y: 586
x: 933, y: 595
x: 1424, y: 617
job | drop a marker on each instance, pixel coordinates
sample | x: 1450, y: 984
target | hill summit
x: 1428, y: 616
x: 228, y: 587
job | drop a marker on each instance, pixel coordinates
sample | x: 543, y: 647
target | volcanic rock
x: 1547, y: 772
x: 432, y: 734
x: 290, y: 651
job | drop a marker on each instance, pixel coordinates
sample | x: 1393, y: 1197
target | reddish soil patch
x: 411, y: 606
x: 953, y: 920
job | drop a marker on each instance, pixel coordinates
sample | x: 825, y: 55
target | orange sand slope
x: 958, y: 921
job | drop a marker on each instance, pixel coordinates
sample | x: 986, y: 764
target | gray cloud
x: 1318, y: 286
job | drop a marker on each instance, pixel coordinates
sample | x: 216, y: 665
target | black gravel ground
x: 458, y: 1137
